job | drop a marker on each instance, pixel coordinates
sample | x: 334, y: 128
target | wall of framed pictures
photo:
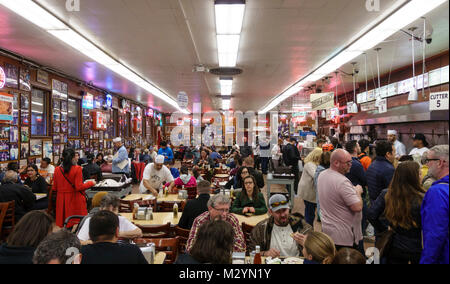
x: 42, y: 113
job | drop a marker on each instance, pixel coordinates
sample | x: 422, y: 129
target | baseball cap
x: 277, y: 202
x: 159, y: 159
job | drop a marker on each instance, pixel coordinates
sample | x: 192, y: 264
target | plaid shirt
x: 239, y: 242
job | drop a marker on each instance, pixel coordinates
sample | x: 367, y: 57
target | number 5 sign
x: 439, y: 101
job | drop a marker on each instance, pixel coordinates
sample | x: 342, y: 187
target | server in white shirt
x: 420, y: 145
x: 155, y: 176
x: 400, y: 148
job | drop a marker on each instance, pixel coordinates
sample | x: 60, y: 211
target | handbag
x: 81, y: 192
x: 384, y: 242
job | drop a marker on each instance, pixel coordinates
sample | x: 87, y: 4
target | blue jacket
x: 175, y: 172
x: 379, y: 176
x: 357, y: 175
x: 435, y: 222
x: 123, y: 155
x: 167, y: 153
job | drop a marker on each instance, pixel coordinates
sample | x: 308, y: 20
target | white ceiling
x: 282, y: 40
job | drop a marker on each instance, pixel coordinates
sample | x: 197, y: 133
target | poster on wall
x: 12, y: 76
x: 42, y: 77
x: 6, y: 107
x: 4, y: 131
x: 35, y: 147
x: 56, y: 89
x: 47, y: 149
x: 25, y: 79
x: 64, y: 91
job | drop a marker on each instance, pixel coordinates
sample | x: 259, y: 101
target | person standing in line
x: 291, y: 156
x: 264, y: 149
x: 364, y: 156
x: 120, y: 162
x: 276, y: 154
x: 434, y: 210
x: 380, y: 172
x: 400, y: 148
x: 341, y: 204
x: 306, y: 185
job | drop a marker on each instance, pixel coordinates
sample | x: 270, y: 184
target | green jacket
x: 259, y: 204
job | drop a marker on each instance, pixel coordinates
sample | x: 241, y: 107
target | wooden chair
x: 192, y: 192
x: 167, y: 207
x: 183, y: 236
x: 247, y: 230
x: 167, y: 245
x: 162, y: 231
x: 126, y: 206
x: 9, y: 220
x: 51, y: 210
x: 3, y: 209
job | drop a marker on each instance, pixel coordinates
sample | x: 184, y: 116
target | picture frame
x: 14, y: 134
x: 47, y: 149
x: 42, y: 77
x: 35, y: 147
x: 15, y: 120
x: 56, y: 139
x: 63, y: 127
x: 25, y: 102
x: 56, y: 127
x: 24, y: 134
x: 12, y: 76
x: 56, y: 150
x: 25, y: 80
x: 4, y: 131
x: 24, y: 150
x: 14, y: 152
x: 4, y: 145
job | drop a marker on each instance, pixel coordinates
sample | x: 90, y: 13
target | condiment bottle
x: 257, y: 259
x: 175, y: 210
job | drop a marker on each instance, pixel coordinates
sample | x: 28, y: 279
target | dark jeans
x: 264, y: 165
x: 257, y: 162
x: 297, y: 176
x: 310, y: 212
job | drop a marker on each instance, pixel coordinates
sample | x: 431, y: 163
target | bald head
x: 341, y: 161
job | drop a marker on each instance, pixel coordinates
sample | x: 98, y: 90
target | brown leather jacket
x: 262, y: 233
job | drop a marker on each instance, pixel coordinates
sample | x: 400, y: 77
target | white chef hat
x: 392, y: 132
x: 159, y: 159
x: 117, y: 140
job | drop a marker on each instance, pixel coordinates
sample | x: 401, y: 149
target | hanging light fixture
x: 423, y: 55
x: 354, y: 107
x: 324, y: 114
x: 413, y: 95
x: 336, y: 103
x: 378, y: 89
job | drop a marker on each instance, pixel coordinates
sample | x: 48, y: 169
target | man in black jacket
x: 195, y: 207
x: 291, y: 156
x: 10, y: 190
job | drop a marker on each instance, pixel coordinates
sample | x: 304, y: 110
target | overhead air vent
x: 225, y: 71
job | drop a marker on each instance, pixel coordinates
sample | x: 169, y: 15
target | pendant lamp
x: 413, y: 95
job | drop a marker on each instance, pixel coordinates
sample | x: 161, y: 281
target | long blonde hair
x: 314, y: 156
x: 321, y: 247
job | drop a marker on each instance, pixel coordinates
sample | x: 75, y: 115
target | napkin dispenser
x: 183, y: 194
x: 238, y: 258
x: 141, y: 213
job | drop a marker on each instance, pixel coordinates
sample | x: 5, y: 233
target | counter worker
x: 400, y: 148
x: 120, y: 163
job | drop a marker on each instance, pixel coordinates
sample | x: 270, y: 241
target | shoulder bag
x: 74, y: 188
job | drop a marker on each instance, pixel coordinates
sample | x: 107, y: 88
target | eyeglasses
x: 428, y: 160
x: 249, y: 182
x: 276, y: 204
x: 225, y: 210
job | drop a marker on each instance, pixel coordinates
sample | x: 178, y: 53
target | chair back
x: 247, y: 230
x: 162, y: 231
x: 192, y: 192
x: 126, y: 206
x: 183, y: 236
x: 3, y: 208
x: 167, y: 245
x: 165, y: 206
x: 9, y: 220
x: 51, y: 210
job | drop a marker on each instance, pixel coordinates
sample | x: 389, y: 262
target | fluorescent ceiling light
x: 226, y: 104
x: 229, y: 18
x: 42, y: 18
x: 377, y: 32
x: 226, y: 85
x: 228, y: 47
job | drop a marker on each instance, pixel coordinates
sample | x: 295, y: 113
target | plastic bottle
x: 175, y: 210
x: 257, y: 259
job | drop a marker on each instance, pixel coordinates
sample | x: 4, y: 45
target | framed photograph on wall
x: 14, y: 134
x: 56, y: 139
x: 56, y: 150
x: 63, y: 126
x: 15, y: 119
x: 25, y: 79
x: 4, y: 131
x: 24, y: 150
x: 56, y: 127
x: 12, y: 76
x: 36, y: 147
x: 25, y: 102
x: 47, y: 149
x: 14, y: 152
x: 42, y: 77
x: 24, y: 134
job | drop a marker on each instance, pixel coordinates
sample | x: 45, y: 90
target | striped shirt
x: 239, y: 242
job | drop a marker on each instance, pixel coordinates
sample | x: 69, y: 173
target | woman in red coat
x: 70, y: 189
